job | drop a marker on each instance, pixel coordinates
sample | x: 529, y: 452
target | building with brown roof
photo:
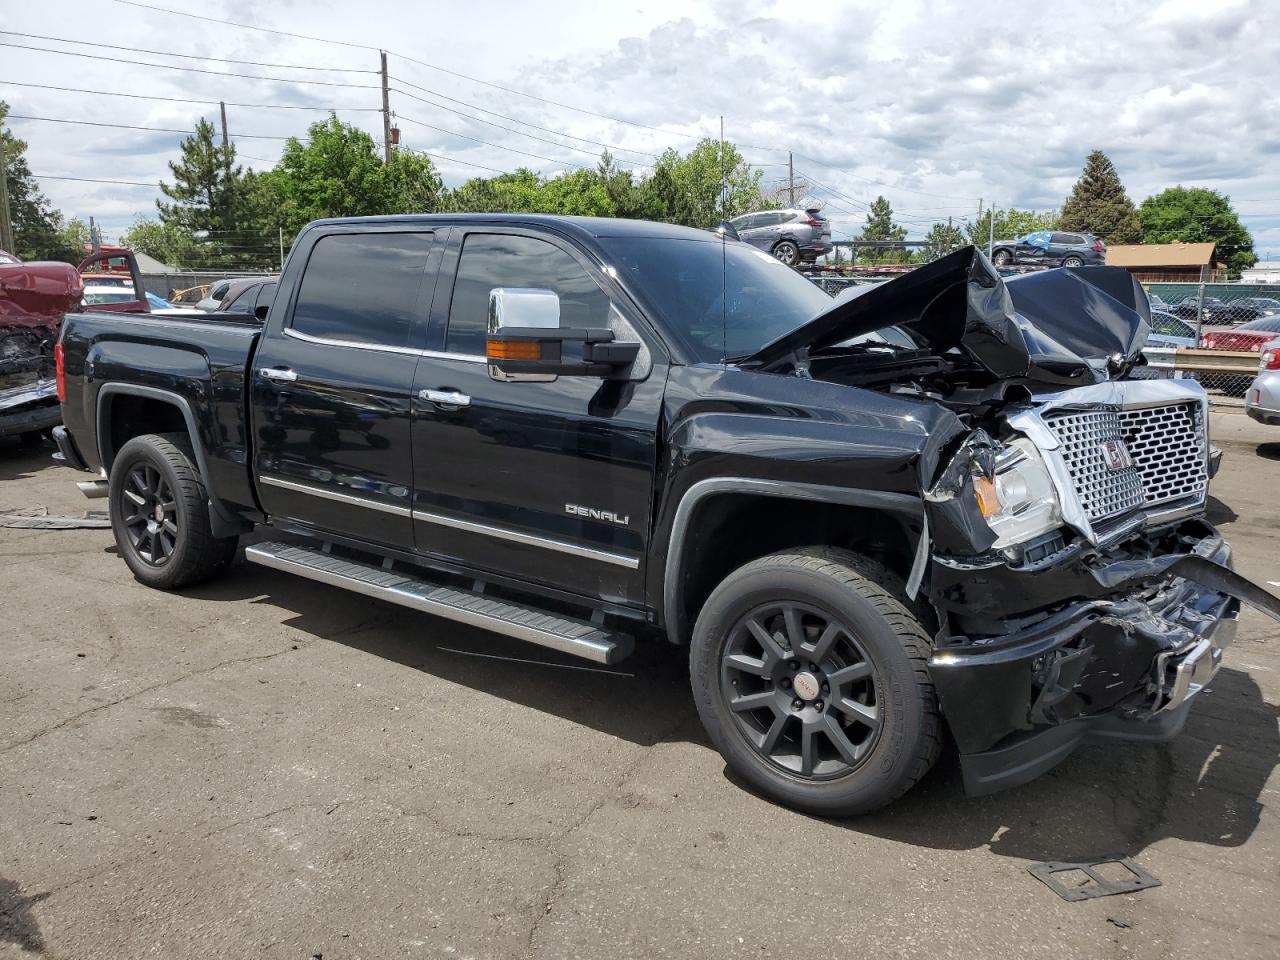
x: 1168, y: 262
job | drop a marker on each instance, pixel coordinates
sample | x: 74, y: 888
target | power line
x: 229, y: 103
x: 486, y: 143
x: 569, y: 136
x: 174, y: 66
x: 129, y: 126
x: 126, y: 183
x: 184, y: 56
x: 465, y: 163
x: 891, y: 186
x: 422, y: 63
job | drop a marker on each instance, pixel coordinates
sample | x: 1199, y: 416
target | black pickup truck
x: 934, y: 504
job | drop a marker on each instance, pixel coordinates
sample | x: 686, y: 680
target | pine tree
x: 942, y: 239
x: 880, y: 226
x: 209, y: 197
x: 1099, y: 205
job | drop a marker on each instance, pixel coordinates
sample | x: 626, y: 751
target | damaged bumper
x: 1123, y: 661
x: 29, y: 408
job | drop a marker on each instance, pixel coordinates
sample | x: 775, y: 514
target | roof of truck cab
x: 586, y: 227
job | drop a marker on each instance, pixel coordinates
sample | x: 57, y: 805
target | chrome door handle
x: 446, y: 398
x: 276, y: 373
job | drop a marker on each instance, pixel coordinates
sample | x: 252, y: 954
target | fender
x: 903, y: 504
x: 223, y: 521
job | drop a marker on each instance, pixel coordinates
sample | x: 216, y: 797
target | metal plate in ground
x: 1052, y: 875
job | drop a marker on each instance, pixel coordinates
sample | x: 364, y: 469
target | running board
x: 575, y: 637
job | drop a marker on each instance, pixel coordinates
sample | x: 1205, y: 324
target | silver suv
x: 792, y: 236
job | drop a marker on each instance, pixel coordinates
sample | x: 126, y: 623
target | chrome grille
x: 1166, y: 446
x: 1103, y: 492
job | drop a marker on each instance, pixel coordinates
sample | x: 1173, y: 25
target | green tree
x: 941, y: 239
x: 880, y: 227
x: 1099, y: 205
x: 168, y: 243
x: 1010, y: 224
x: 1198, y: 215
x: 39, y: 231
x: 208, y: 197
x: 687, y: 189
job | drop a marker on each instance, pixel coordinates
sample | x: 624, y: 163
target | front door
x: 332, y: 385
x: 548, y: 482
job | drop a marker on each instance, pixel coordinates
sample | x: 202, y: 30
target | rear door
x: 332, y: 384
x: 548, y: 482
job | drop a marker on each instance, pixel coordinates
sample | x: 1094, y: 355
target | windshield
x: 1267, y: 324
x: 724, y: 300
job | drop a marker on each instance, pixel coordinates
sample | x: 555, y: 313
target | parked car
x: 1262, y: 399
x: 1052, y: 248
x: 793, y: 236
x: 1266, y: 306
x: 1248, y: 336
x: 859, y: 539
x: 1219, y: 312
x: 243, y: 297
x: 217, y: 291
x: 1167, y: 332
x: 1157, y: 303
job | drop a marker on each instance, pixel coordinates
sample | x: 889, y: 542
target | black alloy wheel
x: 801, y: 689
x: 152, y: 527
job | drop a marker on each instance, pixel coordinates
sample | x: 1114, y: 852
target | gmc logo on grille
x: 1116, y: 455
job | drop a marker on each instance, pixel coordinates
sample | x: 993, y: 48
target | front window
x: 723, y: 300
x: 107, y: 296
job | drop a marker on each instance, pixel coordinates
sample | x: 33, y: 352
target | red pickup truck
x: 34, y: 297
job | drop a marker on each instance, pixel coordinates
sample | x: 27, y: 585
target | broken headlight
x: 1018, y: 501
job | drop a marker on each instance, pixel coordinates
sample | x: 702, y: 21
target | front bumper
x: 27, y: 409
x: 1123, y: 663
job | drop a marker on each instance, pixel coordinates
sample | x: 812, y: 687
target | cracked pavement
x: 267, y: 767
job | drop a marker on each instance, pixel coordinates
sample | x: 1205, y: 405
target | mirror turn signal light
x: 514, y: 349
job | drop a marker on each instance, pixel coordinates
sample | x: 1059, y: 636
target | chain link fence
x: 1231, y: 319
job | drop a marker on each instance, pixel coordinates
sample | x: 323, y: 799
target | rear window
x: 380, y: 307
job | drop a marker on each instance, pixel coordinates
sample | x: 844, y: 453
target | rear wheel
x: 1002, y: 258
x: 160, y: 513
x: 787, y: 252
x: 1072, y: 261
x: 811, y: 679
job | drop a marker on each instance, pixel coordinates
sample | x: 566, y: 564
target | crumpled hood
x: 1064, y: 326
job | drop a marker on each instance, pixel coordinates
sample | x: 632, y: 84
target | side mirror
x: 526, y: 342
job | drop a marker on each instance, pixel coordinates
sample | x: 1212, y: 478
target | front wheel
x: 1002, y: 258
x: 160, y: 513
x: 811, y: 679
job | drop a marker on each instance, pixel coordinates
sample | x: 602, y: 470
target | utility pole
x: 791, y: 181
x: 282, y: 249
x: 225, y: 141
x: 6, y: 226
x: 724, y: 180
x: 94, y: 243
x: 386, y: 108
x: 991, y: 237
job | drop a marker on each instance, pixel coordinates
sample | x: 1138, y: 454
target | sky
x: 937, y: 106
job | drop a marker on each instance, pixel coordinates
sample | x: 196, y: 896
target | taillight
x: 1270, y: 359
x: 60, y: 371
x: 1098, y: 246
x: 814, y: 222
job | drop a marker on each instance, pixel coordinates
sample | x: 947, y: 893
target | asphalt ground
x: 267, y: 767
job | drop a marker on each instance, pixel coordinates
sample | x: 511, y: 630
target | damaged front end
x: 34, y: 297
x: 1080, y: 591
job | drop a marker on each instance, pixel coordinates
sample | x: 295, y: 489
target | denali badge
x: 595, y: 514
x: 1116, y: 455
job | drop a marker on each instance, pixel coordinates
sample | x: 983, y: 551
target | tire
x: 875, y: 674
x: 787, y: 252
x: 172, y: 546
x: 1002, y: 258
x: 1072, y: 262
